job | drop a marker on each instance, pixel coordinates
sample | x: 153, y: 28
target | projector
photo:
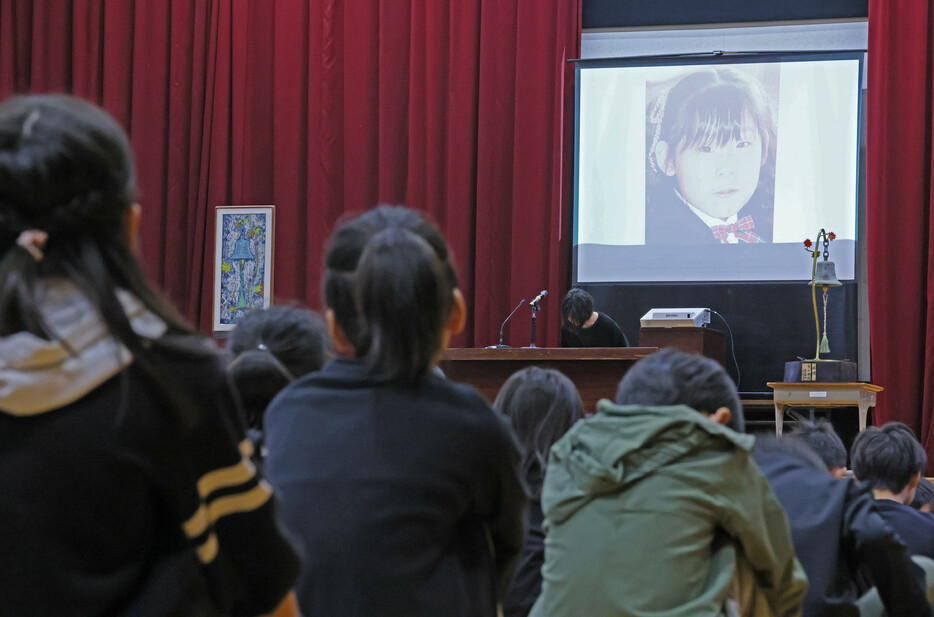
x: 676, y: 318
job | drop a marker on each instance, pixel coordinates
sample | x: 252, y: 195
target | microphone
x: 501, y: 346
x: 539, y: 298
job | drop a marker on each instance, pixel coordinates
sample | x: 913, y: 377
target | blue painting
x: 241, y: 264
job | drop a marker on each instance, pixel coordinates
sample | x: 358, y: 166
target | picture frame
x: 243, y: 262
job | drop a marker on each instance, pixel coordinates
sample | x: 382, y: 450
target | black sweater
x: 398, y: 494
x: 95, y: 493
x: 603, y: 333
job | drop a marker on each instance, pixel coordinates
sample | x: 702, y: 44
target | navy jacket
x: 839, y: 537
x: 407, y: 500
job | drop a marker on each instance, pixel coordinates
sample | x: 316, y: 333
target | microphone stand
x: 501, y: 345
x: 535, y: 309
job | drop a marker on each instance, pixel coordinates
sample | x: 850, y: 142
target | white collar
x: 708, y: 220
x: 39, y: 375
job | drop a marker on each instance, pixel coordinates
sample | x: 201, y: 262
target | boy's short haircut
x: 821, y: 438
x: 576, y: 308
x: 887, y: 457
x: 794, y: 448
x: 672, y: 377
x: 924, y: 496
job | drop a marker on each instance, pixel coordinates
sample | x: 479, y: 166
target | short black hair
x: 887, y: 457
x: 672, y: 377
x: 576, y: 309
x: 821, y: 438
x: 296, y: 336
x: 794, y: 448
x: 272, y: 347
x: 542, y: 405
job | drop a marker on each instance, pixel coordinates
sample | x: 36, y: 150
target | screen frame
x: 717, y: 58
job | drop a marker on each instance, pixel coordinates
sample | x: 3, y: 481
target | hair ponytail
x: 390, y: 283
x: 404, y: 300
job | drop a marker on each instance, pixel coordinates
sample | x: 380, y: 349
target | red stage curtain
x: 323, y: 108
x: 900, y: 144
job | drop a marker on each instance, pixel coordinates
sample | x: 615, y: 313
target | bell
x: 242, y: 250
x: 825, y: 275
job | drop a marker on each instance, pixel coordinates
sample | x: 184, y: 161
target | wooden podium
x: 595, y: 371
x: 704, y: 341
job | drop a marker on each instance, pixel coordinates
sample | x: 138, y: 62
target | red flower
x: 807, y: 243
x: 831, y: 235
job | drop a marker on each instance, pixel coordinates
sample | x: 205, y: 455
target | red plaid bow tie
x: 742, y: 229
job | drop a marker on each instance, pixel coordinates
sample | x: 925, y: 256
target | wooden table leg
x: 863, y: 410
x: 779, y: 417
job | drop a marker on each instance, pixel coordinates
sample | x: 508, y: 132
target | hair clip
x: 33, y: 240
x: 656, y: 116
x: 262, y: 347
x: 30, y: 121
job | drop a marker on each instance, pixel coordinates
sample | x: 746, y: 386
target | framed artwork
x: 243, y: 262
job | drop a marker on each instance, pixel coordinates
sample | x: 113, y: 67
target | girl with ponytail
x: 403, y: 486
x: 118, y: 434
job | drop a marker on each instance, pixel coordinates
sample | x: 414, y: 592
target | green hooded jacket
x: 647, y: 510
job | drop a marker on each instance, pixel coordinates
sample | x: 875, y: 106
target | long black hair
x: 390, y: 283
x: 66, y: 169
x: 542, y: 405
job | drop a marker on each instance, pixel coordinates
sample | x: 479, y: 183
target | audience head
x: 924, y: 496
x: 271, y: 347
x: 794, y: 448
x: 68, y: 211
x: 391, y: 291
x: 672, y: 377
x: 576, y: 309
x: 821, y: 438
x: 888, y: 458
x: 542, y: 405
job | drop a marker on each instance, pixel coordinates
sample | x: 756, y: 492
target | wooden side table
x: 810, y: 394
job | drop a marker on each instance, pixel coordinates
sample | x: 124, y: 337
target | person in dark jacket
x: 270, y: 348
x: 840, y: 537
x: 542, y: 405
x: 127, y: 483
x: 403, y: 487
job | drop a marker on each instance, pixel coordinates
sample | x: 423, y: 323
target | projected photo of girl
x: 710, y: 166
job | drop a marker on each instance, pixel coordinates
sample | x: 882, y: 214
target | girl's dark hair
x: 542, y: 405
x: 257, y: 377
x: 272, y: 347
x: 66, y: 168
x: 390, y: 283
x: 707, y: 107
